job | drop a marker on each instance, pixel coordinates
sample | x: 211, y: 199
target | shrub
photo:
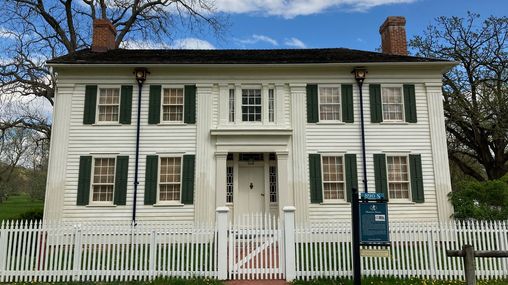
x: 35, y: 215
x: 481, y: 200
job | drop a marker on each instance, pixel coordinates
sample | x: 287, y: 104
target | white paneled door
x: 251, y: 190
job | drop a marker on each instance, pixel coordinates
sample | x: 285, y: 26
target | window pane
x: 229, y: 184
x: 329, y: 104
x: 172, y: 104
x: 271, y: 105
x: 273, y: 184
x: 398, y: 177
x: 392, y: 104
x: 231, y: 105
x: 109, y: 100
x: 251, y: 105
x: 103, y: 179
x: 169, y: 179
x: 333, y: 177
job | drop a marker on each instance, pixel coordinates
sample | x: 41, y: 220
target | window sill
x: 393, y: 123
x: 330, y: 123
x: 108, y: 124
x: 335, y: 203
x: 172, y: 124
x: 168, y: 205
x: 101, y: 206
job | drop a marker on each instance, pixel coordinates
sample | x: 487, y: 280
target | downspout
x: 360, y: 74
x: 140, y: 78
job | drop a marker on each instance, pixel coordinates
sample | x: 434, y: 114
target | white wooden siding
x: 75, y: 139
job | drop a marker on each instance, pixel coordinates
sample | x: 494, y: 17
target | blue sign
x: 372, y: 196
x: 374, y: 223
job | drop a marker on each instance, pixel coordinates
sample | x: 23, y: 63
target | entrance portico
x: 254, y: 168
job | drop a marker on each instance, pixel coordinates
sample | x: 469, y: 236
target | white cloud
x: 291, y: 9
x: 6, y: 33
x: 192, y: 43
x: 254, y: 39
x: 186, y: 43
x: 294, y: 42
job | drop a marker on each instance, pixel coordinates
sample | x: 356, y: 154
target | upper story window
x: 329, y: 104
x: 170, y: 179
x: 393, y: 104
x: 108, y: 104
x: 333, y: 177
x: 398, y: 177
x: 271, y: 105
x: 172, y: 105
x: 231, y: 106
x: 103, y: 181
x: 251, y: 105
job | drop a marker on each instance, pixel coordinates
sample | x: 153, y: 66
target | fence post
x: 469, y: 266
x: 76, y: 263
x: 222, y: 242
x: 153, y: 246
x: 3, y: 248
x: 289, y: 242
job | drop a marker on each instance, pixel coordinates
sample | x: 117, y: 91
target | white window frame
x: 168, y: 122
x: 97, y: 109
x: 399, y: 86
x: 231, y: 164
x: 232, y: 104
x: 323, y: 176
x: 271, y: 119
x: 102, y: 203
x: 273, y: 163
x: 409, y: 196
x: 172, y: 202
x: 327, y: 85
x: 240, y: 97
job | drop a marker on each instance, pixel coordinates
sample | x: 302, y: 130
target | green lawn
x: 395, y: 281
x: 17, y: 205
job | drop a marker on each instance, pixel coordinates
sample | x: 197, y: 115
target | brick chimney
x: 104, y: 35
x: 393, y: 35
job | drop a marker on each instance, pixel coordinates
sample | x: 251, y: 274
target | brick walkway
x: 256, y: 282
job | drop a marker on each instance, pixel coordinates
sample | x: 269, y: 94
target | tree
x: 475, y: 92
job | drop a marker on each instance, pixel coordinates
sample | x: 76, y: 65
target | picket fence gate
x: 258, y: 246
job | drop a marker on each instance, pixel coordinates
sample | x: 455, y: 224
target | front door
x: 251, y: 190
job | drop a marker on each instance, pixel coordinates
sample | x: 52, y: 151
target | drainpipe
x: 140, y: 78
x: 360, y: 74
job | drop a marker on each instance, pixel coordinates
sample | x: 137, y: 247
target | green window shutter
x: 90, y: 104
x: 126, y: 104
x: 410, y: 103
x: 415, y: 167
x: 376, y: 106
x: 122, y: 168
x: 312, y: 104
x: 85, y: 173
x: 154, y: 106
x: 351, y: 175
x: 316, y: 186
x: 151, y: 179
x: 190, y: 104
x: 347, y: 103
x: 380, y: 174
x: 188, y: 179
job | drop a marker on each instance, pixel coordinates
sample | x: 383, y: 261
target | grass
x: 395, y: 281
x: 17, y: 205
x: 158, y: 281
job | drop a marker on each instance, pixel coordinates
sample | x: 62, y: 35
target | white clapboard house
x: 253, y: 130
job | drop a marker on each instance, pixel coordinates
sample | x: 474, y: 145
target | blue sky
x: 333, y: 23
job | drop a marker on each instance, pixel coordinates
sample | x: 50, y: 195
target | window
x: 398, y: 177
x: 231, y: 105
x: 333, y: 178
x: 329, y: 104
x: 109, y: 102
x: 273, y: 183
x: 393, y: 106
x: 172, y: 105
x: 229, y: 184
x: 170, y: 179
x: 271, y: 105
x: 251, y: 105
x: 103, y: 181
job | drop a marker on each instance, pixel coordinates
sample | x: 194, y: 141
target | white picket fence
x: 53, y: 252
x: 252, y: 247
x: 417, y: 250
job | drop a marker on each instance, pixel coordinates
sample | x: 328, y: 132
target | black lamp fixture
x: 141, y: 73
x: 360, y: 74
